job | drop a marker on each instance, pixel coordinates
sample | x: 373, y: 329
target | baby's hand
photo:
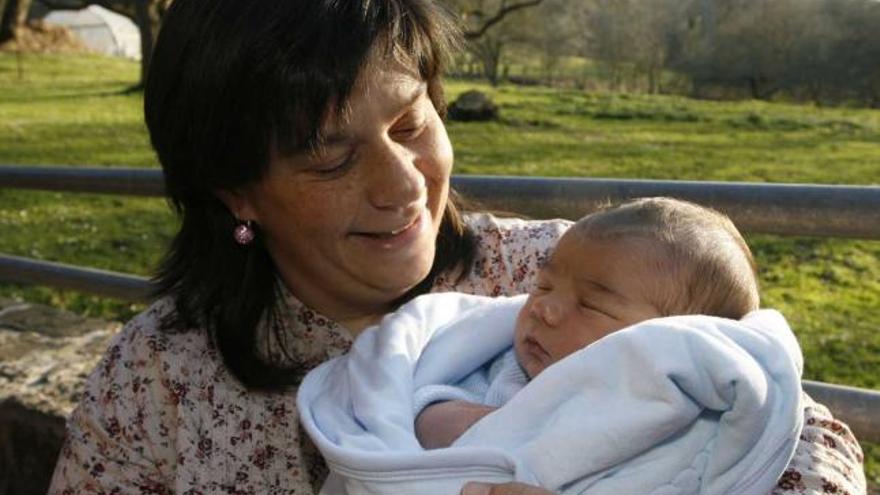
x: 440, y: 424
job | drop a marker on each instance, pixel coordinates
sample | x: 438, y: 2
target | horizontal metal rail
x: 109, y: 180
x: 16, y: 269
x: 784, y: 209
x: 857, y: 407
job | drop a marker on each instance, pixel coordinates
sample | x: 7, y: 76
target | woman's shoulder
x: 162, y: 406
x: 144, y: 358
x: 513, y: 229
x: 509, y: 253
x: 145, y: 336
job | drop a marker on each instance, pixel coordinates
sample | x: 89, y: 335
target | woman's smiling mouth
x: 397, y: 237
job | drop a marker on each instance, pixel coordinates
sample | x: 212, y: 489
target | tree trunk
x: 147, y: 18
x: 13, y: 17
x: 490, y: 68
x: 753, y: 88
x: 3, y: 5
x: 488, y: 52
x: 653, y: 84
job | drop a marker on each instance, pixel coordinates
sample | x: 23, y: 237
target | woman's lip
x: 392, y: 232
x: 409, y: 226
x: 395, y: 238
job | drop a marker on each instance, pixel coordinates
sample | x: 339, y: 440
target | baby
x: 601, y: 394
x: 643, y: 259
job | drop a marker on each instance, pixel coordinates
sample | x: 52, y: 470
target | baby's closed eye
x: 590, y: 308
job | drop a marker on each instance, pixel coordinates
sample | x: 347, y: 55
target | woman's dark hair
x: 232, y: 81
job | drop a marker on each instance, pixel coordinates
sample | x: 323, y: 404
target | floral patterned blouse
x: 161, y: 415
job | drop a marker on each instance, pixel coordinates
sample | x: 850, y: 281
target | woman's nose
x: 548, y: 310
x: 396, y: 181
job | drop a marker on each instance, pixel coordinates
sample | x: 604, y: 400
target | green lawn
x: 72, y: 110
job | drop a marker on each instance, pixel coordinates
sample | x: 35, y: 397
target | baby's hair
x: 701, y: 259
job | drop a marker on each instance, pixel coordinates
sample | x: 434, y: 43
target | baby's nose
x: 547, y: 310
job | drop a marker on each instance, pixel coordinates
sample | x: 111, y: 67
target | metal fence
x: 784, y: 209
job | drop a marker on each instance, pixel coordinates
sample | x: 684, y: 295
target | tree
x: 13, y: 14
x: 488, y: 50
x: 553, y: 33
x: 485, y: 21
x: 146, y: 14
x: 857, y: 52
x: 632, y: 36
x: 488, y: 30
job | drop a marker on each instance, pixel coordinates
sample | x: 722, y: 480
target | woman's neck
x: 354, y: 314
x: 356, y: 325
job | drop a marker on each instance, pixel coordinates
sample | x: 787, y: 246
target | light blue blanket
x: 678, y: 405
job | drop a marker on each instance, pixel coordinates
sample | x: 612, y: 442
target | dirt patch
x: 41, y: 37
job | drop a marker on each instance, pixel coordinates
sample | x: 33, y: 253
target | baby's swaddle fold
x: 675, y: 405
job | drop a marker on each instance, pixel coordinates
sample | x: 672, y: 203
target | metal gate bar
x: 786, y: 209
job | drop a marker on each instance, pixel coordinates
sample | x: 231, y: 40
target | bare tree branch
x: 64, y: 4
x: 495, y: 19
x: 122, y: 7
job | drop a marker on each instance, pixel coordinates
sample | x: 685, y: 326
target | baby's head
x: 642, y: 259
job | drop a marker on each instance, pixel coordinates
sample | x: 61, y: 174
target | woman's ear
x: 237, y: 203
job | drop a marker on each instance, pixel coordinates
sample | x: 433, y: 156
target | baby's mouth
x: 532, y: 346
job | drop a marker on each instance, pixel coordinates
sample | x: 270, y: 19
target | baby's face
x: 588, y: 290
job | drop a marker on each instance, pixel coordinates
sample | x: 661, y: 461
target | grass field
x: 72, y: 111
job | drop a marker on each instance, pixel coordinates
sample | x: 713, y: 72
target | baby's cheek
x: 521, y: 318
x: 568, y: 346
x: 525, y: 361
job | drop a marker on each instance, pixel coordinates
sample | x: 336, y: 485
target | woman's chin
x: 398, y: 264
x: 399, y: 280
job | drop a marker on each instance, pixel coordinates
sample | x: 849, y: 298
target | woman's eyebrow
x: 417, y: 93
x: 333, y: 139
x: 408, y: 101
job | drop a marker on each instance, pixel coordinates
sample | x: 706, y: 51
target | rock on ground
x: 45, y: 356
x: 473, y: 106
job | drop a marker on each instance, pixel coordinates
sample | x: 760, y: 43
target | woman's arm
x: 121, y: 433
x: 827, y: 459
x: 440, y: 424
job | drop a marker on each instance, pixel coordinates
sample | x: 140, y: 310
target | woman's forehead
x: 387, y: 91
x: 388, y: 75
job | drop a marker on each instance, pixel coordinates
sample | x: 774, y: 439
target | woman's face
x: 353, y: 227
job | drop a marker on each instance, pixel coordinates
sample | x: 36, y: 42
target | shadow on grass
x: 128, y: 90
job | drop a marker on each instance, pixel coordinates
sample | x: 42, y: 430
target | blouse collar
x: 302, y: 335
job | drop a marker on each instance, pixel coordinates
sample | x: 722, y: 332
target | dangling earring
x: 244, y: 232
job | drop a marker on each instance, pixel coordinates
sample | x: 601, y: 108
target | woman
x: 303, y: 147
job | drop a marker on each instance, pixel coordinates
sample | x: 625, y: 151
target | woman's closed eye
x: 332, y: 166
x: 409, y: 129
